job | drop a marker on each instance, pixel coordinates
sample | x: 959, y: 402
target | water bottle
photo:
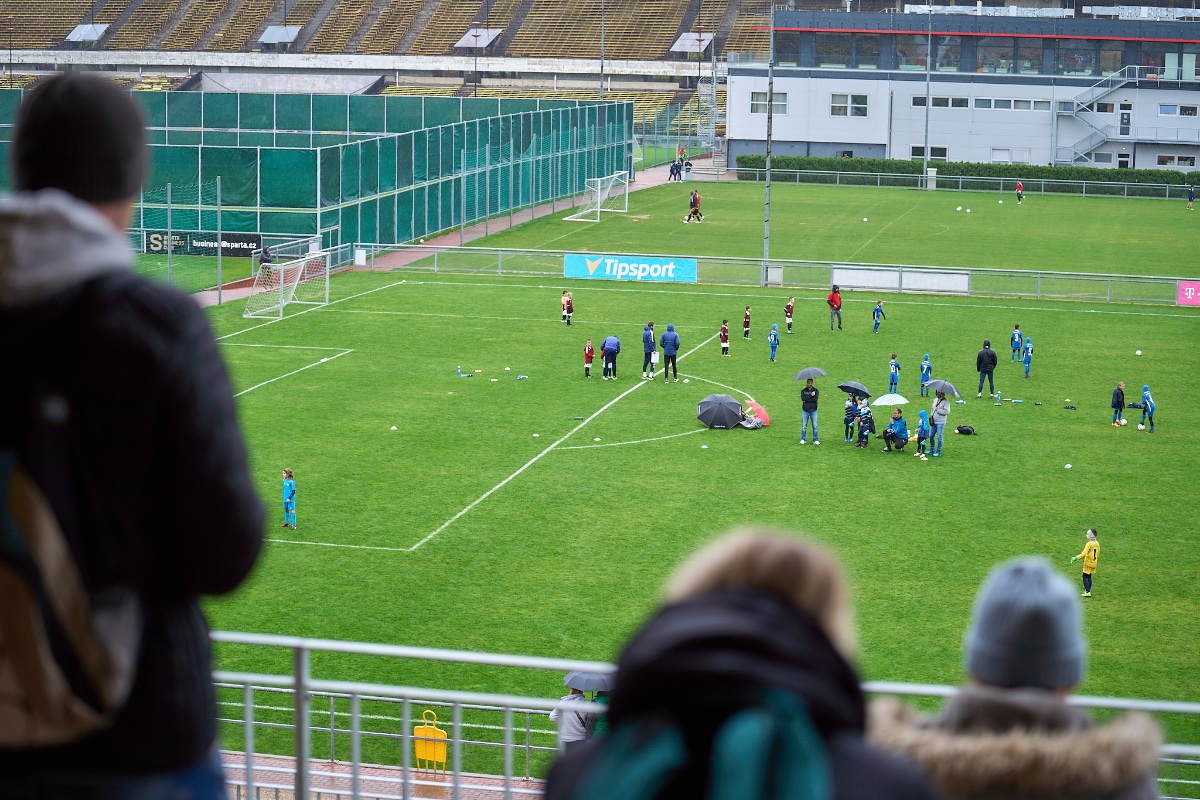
x: 997, y: 397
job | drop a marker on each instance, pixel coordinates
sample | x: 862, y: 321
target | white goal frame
x: 304, y: 281
x: 610, y: 193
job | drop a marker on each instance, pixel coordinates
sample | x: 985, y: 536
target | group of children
x: 1022, y: 348
x: 895, y: 435
x: 1147, y: 406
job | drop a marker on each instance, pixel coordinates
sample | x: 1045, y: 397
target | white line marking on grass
x: 280, y: 346
x: 880, y: 233
x: 293, y: 372
x: 635, y: 441
x: 348, y: 546
x: 307, y: 310
x: 723, y: 386
x: 496, y: 319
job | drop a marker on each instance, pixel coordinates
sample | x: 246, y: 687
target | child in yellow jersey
x: 1090, y: 554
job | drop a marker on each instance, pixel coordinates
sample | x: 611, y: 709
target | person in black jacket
x: 1118, y: 403
x: 808, y: 400
x: 754, y: 622
x: 985, y: 362
x: 122, y: 375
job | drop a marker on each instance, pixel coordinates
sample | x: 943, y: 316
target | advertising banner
x: 203, y: 244
x: 1189, y: 293
x: 638, y: 268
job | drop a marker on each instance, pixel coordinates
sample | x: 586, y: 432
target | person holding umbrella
x: 571, y: 721
x: 939, y: 412
x: 808, y: 399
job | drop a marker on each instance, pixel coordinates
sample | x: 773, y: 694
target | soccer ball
x: 958, y: 209
x: 1124, y: 422
x: 864, y: 219
x: 1141, y: 427
x: 968, y: 211
x: 1137, y: 352
x: 1001, y: 202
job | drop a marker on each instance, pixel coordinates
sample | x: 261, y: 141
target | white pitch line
x: 549, y: 449
x: 880, y: 233
x: 293, y: 372
x: 635, y: 441
x: 723, y: 386
x: 280, y: 346
x: 348, y: 546
x: 494, y: 319
x: 307, y: 310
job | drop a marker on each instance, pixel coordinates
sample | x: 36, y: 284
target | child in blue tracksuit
x: 1028, y: 354
x: 893, y: 374
x: 926, y: 375
x: 851, y: 414
x: 773, y: 340
x: 878, y: 316
x: 866, y: 423
x: 1017, y: 339
x: 922, y: 435
x: 1147, y: 407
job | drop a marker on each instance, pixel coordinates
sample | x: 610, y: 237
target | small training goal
x: 610, y: 193
x: 304, y: 281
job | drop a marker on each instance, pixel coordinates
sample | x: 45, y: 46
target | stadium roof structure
x: 86, y: 33
x: 692, y: 43
x: 280, y: 34
x: 479, y: 37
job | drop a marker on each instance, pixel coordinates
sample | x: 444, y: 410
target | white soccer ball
x: 968, y: 211
x: 1124, y: 422
x: 1137, y: 352
x: 864, y: 219
x: 323, y: 360
x: 536, y: 435
x: 422, y: 241
x: 596, y: 439
x: 1001, y: 202
x: 1141, y: 427
x: 958, y: 209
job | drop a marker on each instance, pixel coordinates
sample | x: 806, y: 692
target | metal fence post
x: 508, y: 758
x: 248, y: 735
x: 462, y: 221
x: 1039, y: 284
x: 300, y: 704
x: 528, y: 741
x: 456, y: 716
x: 1108, y: 298
x: 355, y: 743
x: 405, y: 749
x: 220, y: 242
x: 332, y: 741
x: 169, y: 235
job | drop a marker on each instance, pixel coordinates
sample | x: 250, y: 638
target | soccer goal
x: 610, y: 193
x: 304, y: 281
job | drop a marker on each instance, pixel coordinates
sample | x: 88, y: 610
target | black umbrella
x: 719, y: 411
x: 854, y: 388
x: 589, y: 681
x: 943, y: 386
x: 809, y: 372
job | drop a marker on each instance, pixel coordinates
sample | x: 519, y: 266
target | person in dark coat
x: 1118, y: 403
x: 648, y: 348
x: 985, y: 363
x: 753, y: 614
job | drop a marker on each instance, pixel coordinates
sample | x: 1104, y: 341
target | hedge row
x: 969, y: 169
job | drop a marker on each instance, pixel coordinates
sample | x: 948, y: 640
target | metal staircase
x: 710, y: 110
x: 1080, y: 108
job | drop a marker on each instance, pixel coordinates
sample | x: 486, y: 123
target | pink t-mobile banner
x: 1189, y: 293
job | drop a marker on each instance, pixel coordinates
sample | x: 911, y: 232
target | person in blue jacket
x: 926, y: 375
x: 648, y: 348
x: 896, y: 433
x: 1028, y: 358
x: 670, y: 347
x: 878, y: 312
x: 773, y: 340
x: 851, y: 414
x: 608, y: 351
x: 1017, y: 339
x: 923, y: 432
x: 866, y: 424
x: 894, y: 374
x: 1147, y: 407
x: 289, y: 500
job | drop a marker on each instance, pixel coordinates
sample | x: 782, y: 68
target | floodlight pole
x: 220, y: 241
x: 10, y: 51
x: 770, y: 119
x: 699, y: 61
x: 928, y: 58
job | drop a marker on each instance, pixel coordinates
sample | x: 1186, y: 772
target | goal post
x: 304, y: 281
x: 610, y: 193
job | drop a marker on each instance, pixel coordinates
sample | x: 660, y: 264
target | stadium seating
x: 41, y: 25
x: 389, y: 27
x: 238, y: 32
x: 196, y: 21
x: 742, y: 39
x: 339, y: 28
x: 633, y: 29
x: 452, y: 19
x: 144, y: 25
x: 421, y: 90
x: 646, y: 104
x: 156, y: 83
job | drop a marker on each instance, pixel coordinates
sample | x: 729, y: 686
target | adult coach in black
x: 117, y: 405
x: 985, y: 363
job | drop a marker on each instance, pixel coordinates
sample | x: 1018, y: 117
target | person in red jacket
x: 725, y: 338
x: 835, y: 306
x: 746, y: 324
x: 589, y: 353
x: 787, y: 312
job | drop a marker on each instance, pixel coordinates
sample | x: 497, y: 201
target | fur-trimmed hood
x: 1022, y: 743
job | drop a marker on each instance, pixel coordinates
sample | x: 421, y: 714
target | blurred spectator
x: 572, y: 723
x: 1010, y: 732
x: 125, y: 422
x: 740, y: 687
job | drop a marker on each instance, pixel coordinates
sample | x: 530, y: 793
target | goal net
x: 610, y: 193
x: 304, y: 281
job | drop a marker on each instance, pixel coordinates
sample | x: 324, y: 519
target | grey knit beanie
x: 1025, y: 630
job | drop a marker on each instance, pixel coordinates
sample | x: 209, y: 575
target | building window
x: 1002, y: 104
x: 758, y: 102
x: 911, y: 51
x: 1187, y: 111
x: 1112, y: 57
x: 1023, y: 105
x: 1186, y: 161
x: 941, y: 102
x: 958, y: 102
x: 1166, y: 161
x: 1102, y: 158
x: 1167, y: 110
x: 1041, y: 105
x: 947, y: 52
x: 848, y: 105
x: 918, y: 101
x: 1102, y: 108
x: 994, y: 54
x: 1001, y: 155
x: 1077, y: 56
x: 983, y: 102
x: 935, y: 153
x: 833, y: 49
x: 1029, y: 56
x: 866, y: 50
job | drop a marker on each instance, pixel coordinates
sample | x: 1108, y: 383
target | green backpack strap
x: 633, y: 763
x: 770, y: 750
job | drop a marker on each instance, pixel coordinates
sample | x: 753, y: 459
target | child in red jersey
x: 787, y: 312
x: 725, y: 338
x: 588, y: 354
x: 746, y: 324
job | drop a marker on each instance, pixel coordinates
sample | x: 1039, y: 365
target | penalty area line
x: 293, y: 372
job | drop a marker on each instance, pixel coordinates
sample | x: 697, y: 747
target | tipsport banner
x: 643, y: 269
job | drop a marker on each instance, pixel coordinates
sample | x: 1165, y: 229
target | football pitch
x: 540, y: 515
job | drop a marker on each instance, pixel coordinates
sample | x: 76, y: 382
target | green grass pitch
x: 567, y: 557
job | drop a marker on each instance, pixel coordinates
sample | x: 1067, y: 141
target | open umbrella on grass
x: 809, y: 372
x: 889, y: 400
x: 943, y: 386
x: 719, y: 411
x: 855, y: 388
x: 759, y: 412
